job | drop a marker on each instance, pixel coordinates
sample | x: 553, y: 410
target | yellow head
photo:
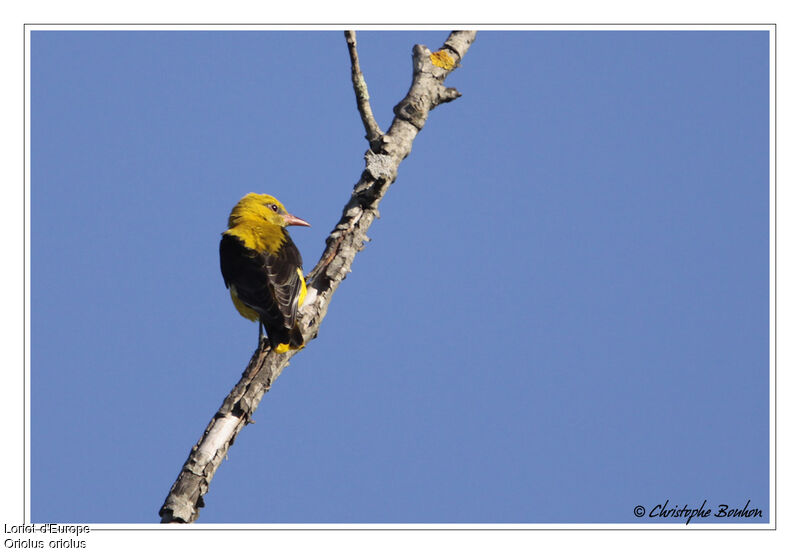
x: 262, y: 208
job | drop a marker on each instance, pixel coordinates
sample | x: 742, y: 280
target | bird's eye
x: 273, y: 207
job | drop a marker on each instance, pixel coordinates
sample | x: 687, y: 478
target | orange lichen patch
x: 443, y: 59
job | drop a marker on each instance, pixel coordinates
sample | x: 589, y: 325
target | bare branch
x: 347, y: 238
x: 360, y: 87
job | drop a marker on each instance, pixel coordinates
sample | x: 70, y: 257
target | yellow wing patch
x: 303, y: 290
x: 443, y: 59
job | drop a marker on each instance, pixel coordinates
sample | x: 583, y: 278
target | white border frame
x: 771, y: 28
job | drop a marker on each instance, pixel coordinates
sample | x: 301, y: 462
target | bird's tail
x: 296, y: 338
x: 296, y: 341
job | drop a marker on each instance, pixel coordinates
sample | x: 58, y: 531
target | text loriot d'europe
x: 45, y: 528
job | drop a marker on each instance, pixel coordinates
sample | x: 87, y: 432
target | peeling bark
x: 382, y: 159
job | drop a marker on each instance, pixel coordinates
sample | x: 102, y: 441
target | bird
x: 263, y: 269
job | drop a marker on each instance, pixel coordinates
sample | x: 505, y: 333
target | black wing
x: 268, y: 283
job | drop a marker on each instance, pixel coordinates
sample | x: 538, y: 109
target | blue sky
x: 563, y: 313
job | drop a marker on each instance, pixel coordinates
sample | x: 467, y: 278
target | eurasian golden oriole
x: 263, y: 268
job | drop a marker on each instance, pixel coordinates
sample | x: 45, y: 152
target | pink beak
x: 293, y: 220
